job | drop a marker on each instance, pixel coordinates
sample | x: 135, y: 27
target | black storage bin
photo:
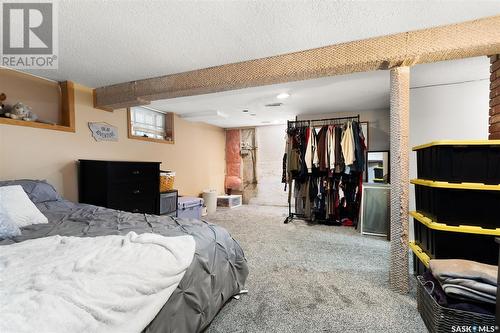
x: 440, y: 319
x: 418, y: 266
x: 456, y: 206
x: 460, y: 161
x: 440, y: 244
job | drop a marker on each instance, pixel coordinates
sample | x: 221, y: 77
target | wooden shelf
x: 33, y: 87
x: 34, y: 124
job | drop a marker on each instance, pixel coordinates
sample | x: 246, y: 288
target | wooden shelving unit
x: 8, y: 121
x: 67, y: 105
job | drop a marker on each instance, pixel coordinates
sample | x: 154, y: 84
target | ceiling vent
x: 272, y: 105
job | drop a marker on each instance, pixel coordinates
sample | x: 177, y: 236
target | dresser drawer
x: 133, y: 189
x: 114, y: 200
x: 126, y: 172
x: 144, y: 206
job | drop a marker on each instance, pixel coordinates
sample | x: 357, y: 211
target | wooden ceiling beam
x: 468, y: 39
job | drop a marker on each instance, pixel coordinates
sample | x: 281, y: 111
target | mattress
x: 218, y: 271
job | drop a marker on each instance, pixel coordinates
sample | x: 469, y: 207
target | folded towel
x: 467, y: 294
x: 465, y: 279
x: 480, y: 287
x: 434, y: 288
x: 466, y: 269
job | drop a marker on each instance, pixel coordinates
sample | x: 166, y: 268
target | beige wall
x: 198, y: 155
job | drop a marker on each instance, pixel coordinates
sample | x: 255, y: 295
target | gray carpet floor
x: 311, y: 278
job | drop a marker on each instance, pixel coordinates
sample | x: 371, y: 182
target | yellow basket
x: 167, y: 181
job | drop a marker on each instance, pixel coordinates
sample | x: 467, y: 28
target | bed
x: 218, y: 270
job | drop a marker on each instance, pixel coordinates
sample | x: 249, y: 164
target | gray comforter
x: 218, y: 270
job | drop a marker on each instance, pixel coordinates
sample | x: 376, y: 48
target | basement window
x: 150, y: 125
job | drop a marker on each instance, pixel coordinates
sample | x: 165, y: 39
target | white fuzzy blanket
x: 95, y: 284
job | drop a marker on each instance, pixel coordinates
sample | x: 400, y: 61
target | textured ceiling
x: 105, y: 42
x: 355, y: 92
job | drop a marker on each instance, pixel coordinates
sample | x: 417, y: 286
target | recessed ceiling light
x: 283, y: 95
x: 273, y: 105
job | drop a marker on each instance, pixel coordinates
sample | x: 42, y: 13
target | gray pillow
x: 37, y: 190
x: 8, y: 228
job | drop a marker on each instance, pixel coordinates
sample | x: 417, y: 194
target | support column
x: 400, y: 177
x: 494, y: 97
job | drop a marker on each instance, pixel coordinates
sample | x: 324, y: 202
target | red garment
x: 347, y: 222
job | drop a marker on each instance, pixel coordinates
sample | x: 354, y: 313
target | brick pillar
x: 495, y: 97
x: 400, y: 178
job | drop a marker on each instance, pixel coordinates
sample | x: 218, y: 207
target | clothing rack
x: 313, y: 122
x: 321, y: 122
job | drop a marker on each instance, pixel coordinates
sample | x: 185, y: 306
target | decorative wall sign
x: 104, y: 131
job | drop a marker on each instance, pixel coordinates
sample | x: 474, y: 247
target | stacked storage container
x: 457, y: 196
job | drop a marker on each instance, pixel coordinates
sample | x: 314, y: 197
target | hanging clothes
x: 315, y: 160
x: 348, y: 146
x: 359, y: 146
x: 286, y: 155
x: 322, y: 148
x: 331, y: 147
x: 292, y: 150
x: 339, y: 156
x: 309, y: 148
x: 302, y: 138
x: 325, y: 166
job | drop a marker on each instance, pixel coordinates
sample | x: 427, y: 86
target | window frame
x: 169, y: 128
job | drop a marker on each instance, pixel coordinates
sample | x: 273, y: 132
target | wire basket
x: 167, y: 181
x: 440, y: 319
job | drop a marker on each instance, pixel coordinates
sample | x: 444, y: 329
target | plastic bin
x: 189, y: 207
x: 229, y: 201
x: 168, y: 203
x: 460, y: 161
x: 451, y: 242
x: 440, y: 319
x: 458, y: 204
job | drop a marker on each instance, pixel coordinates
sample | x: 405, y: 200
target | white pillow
x: 7, y: 227
x: 19, y: 208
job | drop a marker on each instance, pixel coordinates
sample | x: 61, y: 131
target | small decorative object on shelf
x: 3, y: 97
x: 20, y: 112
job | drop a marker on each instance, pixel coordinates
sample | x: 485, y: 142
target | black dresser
x: 128, y: 186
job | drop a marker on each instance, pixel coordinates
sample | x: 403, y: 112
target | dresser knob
x: 136, y: 172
